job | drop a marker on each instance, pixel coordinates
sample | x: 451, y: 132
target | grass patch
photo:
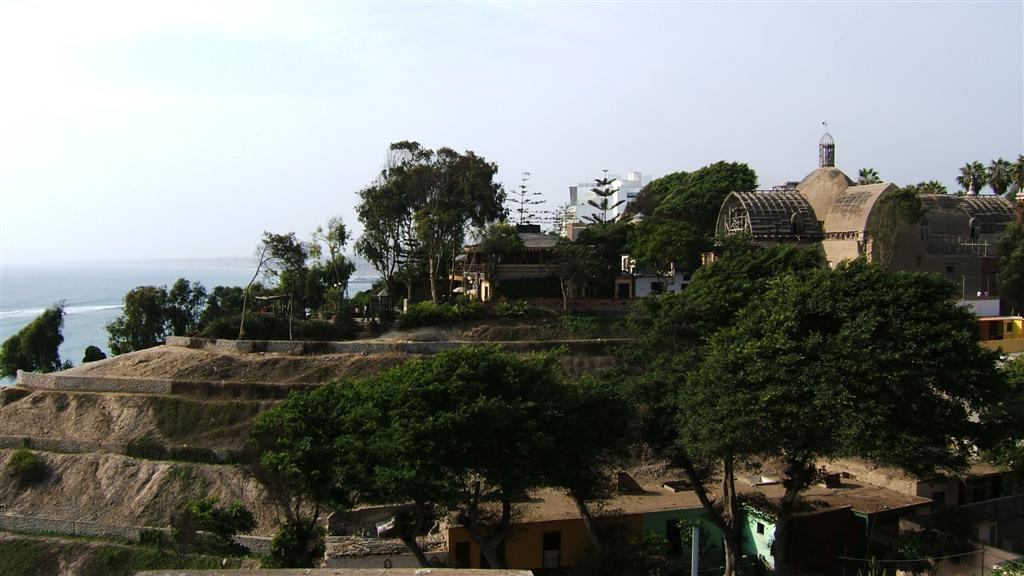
x: 26, y: 466
x: 27, y: 558
x: 124, y: 561
x: 179, y: 419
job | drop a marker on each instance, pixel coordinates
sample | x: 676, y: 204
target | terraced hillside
x: 128, y: 440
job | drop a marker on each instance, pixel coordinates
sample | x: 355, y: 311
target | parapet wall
x: 201, y: 389
x: 298, y: 348
x: 38, y: 525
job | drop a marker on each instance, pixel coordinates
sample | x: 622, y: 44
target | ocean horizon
x: 92, y: 292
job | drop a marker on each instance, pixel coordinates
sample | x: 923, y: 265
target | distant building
x: 956, y: 235
x: 581, y: 194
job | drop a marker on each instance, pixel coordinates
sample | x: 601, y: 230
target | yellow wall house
x: 1004, y: 333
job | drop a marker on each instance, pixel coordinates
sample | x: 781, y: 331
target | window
x: 760, y: 528
x: 552, y: 547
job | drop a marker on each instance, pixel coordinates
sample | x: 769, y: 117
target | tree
x: 143, y: 321
x: 896, y: 210
x: 390, y: 438
x: 810, y: 345
x: 867, y: 176
x: 999, y: 175
x: 656, y: 191
x: 576, y: 264
x: 971, y: 178
x: 666, y: 244
x: 1004, y: 421
x: 93, y: 354
x: 447, y: 191
x: 223, y: 522
x: 603, y: 192
x: 386, y: 213
x: 497, y: 241
x: 35, y: 348
x: 1011, y: 268
x: 331, y: 269
x: 699, y: 199
x: 929, y: 187
x: 524, y: 202
x: 1017, y: 175
x: 222, y: 302
x: 673, y: 334
x: 185, y: 302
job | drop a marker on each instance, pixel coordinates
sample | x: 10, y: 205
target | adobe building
x: 956, y: 235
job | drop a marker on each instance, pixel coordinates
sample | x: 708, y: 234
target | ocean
x: 92, y: 293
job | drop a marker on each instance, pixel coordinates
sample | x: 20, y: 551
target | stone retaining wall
x: 298, y: 348
x: 38, y: 525
x: 141, y: 450
x: 201, y: 389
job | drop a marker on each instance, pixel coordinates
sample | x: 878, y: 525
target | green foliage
x: 26, y: 466
x: 929, y: 187
x: 35, y: 347
x: 1003, y: 419
x: 972, y: 177
x: 500, y: 239
x: 389, y: 437
x: 867, y: 176
x: 603, y: 202
x: 1011, y: 268
x: 93, y: 354
x: 661, y: 242
x: 27, y: 558
x: 430, y: 314
x: 270, y: 327
x: 1011, y: 568
x: 609, y: 240
x: 624, y: 555
x: 999, y: 175
x: 185, y: 302
x: 699, y: 200
x: 656, y: 191
x: 224, y: 302
x: 151, y: 537
x: 810, y: 345
x: 298, y: 544
x: 577, y: 265
x: 143, y: 321
x: 897, y: 209
x: 224, y: 522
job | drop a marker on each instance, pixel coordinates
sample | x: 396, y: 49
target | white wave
x: 33, y: 312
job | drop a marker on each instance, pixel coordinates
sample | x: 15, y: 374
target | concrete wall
x: 157, y: 386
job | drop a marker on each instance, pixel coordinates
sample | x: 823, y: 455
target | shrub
x: 224, y: 522
x: 270, y: 327
x: 430, y: 314
x: 26, y: 466
x: 297, y: 544
x: 521, y: 309
x: 151, y: 537
x: 92, y: 354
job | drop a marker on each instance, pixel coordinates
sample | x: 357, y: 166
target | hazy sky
x: 162, y: 130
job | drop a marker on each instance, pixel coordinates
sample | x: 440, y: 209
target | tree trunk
x: 407, y: 534
x: 798, y: 475
x: 588, y: 523
x: 432, y: 265
x: 565, y: 296
x: 245, y: 294
x: 724, y: 520
x: 488, y: 545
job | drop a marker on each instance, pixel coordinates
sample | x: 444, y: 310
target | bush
x: 92, y: 354
x: 221, y: 521
x: 430, y: 314
x: 298, y: 544
x: 26, y: 466
x: 521, y: 309
x: 150, y: 449
x: 270, y: 327
x: 151, y: 537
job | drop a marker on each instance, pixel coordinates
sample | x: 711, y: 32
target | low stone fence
x: 38, y: 525
x: 142, y: 449
x: 298, y: 348
x: 201, y: 389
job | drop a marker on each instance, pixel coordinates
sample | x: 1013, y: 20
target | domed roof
x: 826, y: 140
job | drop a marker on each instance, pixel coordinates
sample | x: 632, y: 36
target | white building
x: 625, y: 189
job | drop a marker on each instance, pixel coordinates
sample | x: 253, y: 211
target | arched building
x: 955, y: 236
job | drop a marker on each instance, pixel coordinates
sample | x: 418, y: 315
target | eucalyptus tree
x: 972, y: 178
x: 35, y: 348
x: 426, y: 199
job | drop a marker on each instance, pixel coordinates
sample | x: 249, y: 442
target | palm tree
x: 971, y: 178
x: 999, y: 175
x: 1017, y: 174
x: 933, y: 187
x: 868, y: 176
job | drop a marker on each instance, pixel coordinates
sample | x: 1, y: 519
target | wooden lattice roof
x: 769, y: 214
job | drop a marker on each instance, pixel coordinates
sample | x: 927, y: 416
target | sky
x: 147, y: 130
